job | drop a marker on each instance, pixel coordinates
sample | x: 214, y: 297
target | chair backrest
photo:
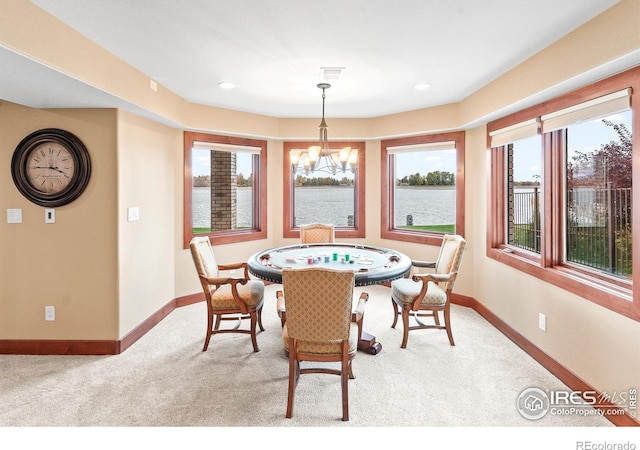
x: 317, y: 233
x: 319, y: 303
x: 203, y: 257
x: 450, y: 256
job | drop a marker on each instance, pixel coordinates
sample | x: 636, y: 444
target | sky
x: 584, y: 137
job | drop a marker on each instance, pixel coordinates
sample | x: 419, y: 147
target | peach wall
x: 71, y: 264
x: 147, y: 155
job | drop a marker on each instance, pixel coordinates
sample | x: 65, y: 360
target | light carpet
x: 165, y: 380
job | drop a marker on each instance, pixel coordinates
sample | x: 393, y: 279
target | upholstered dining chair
x: 314, y: 233
x: 426, y: 294
x: 228, y: 298
x: 321, y: 326
x: 317, y: 233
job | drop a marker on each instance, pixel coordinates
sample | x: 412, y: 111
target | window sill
x: 609, y: 295
x: 413, y: 236
x: 340, y: 233
x: 229, y: 237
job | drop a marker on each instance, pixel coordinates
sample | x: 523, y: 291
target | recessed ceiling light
x: 226, y: 85
x: 422, y: 86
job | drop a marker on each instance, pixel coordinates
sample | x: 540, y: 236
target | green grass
x: 208, y: 230
x: 524, y: 236
x: 450, y: 229
x: 434, y: 228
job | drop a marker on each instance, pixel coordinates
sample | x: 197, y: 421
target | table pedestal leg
x: 368, y: 344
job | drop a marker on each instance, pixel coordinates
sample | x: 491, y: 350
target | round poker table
x: 372, y: 265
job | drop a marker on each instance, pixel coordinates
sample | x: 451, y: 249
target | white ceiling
x: 273, y: 50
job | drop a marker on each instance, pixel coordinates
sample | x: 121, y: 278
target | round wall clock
x: 51, y: 167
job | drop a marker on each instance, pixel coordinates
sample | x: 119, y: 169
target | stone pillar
x: 224, y: 193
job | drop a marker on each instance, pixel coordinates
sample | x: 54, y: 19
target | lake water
x: 335, y: 204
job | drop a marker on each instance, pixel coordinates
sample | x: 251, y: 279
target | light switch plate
x: 133, y: 213
x: 14, y: 215
x: 49, y: 215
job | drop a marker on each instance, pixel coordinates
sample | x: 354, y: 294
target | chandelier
x: 322, y: 158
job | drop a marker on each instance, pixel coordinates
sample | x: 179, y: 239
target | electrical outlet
x: 49, y: 313
x: 542, y: 322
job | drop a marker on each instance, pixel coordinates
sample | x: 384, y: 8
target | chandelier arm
x: 332, y: 162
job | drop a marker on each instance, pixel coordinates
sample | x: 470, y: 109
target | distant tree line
x: 526, y: 183
x: 205, y: 181
x: 201, y: 181
x: 303, y: 181
x: 436, y: 178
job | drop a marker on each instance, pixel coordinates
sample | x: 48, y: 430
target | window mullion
x: 553, y: 199
x: 501, y: 192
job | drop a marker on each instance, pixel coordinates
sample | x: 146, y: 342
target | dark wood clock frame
x: 81, y: 160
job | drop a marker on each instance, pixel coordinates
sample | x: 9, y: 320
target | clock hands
x: 59, y: 170
x: 52, y: 168
x: 52, y: 162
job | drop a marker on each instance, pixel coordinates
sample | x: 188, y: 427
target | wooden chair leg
x: 293, y: 374
x: 254, y: 340
x: 260, y: 319
x: 208, y: 336
x: 447, y: 323
x: 395, y: 313
x: 405, y: 322
x: 344, y: 376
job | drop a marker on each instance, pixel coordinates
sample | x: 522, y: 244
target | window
x: 423, y: 187
x: 323, y: 197
x: 598, y: 194
x: 224, y: 188
x: 524, y: 193
x: 570, y: 223
x: 523, y: 176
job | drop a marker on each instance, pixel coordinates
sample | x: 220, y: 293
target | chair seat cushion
x: 406, y: 290
x: 324, y: 348
x: 252, y: 293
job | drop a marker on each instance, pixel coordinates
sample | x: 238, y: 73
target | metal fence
x: 598, y: 226
x: 524, y: 220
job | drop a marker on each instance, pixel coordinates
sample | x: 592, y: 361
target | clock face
x: 50, y: 167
